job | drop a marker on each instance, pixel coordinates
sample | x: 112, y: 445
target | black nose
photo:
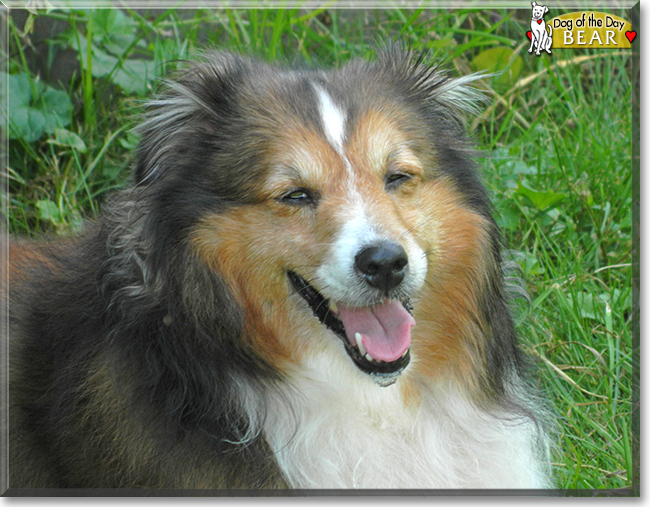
x: 382, y: 265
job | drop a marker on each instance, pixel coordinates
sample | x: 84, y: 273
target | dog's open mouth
x: 377, y: 338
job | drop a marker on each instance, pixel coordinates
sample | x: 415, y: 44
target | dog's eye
x: 299, y: 196
x: 396, y: 179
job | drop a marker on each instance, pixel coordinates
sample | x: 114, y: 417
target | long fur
x: 164, y: 347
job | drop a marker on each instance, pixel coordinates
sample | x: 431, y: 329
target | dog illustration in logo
x: 539, y: 37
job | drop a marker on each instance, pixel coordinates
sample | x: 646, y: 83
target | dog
x: 302, y: 287
x: 540, y: 38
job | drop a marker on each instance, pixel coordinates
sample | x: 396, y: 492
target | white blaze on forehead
x: 333, y: 120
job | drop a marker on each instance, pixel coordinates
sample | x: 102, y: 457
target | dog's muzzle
x: 376, y: 336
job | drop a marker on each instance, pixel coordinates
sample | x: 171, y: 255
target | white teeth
x: 333, y: 307
x: 362, y: 349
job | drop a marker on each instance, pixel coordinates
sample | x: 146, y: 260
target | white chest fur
x: 344, y: 431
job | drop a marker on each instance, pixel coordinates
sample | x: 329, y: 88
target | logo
x: 578, y: 29
x: 540, y: 38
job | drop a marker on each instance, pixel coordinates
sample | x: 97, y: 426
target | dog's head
x: 340, y: 208
x: 538, y: 10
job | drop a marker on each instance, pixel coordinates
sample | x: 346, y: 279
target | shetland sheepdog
x: 302, y: 287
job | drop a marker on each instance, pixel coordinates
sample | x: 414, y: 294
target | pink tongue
x: 385, y: 329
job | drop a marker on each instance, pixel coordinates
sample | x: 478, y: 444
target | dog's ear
x: 533, y: 4
x: 422, y: 80
x: 545, y: 9
x: 188, y: 104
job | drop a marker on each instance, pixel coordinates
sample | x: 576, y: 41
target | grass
x: 556, y: 137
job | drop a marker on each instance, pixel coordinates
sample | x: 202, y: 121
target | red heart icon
x: 630, y: 35
x: 539, y: 21
x: 530, y: 34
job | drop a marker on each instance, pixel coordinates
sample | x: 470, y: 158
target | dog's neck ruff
x: 332, y: 431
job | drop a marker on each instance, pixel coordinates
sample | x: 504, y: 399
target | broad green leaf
x: 120, y: 44
x: 112, y: 30
x: 18, y: 90
x: 519, y: 167
x: 584, y: 303
x: 540, y: 200
x: 508, y: 216
x: 110, y: 22
x: 56, y: 108
x: 499, y: 60
x: 28, y: 119
x: 75, y: 40
x: 619, y: 301
x: 530, y: 264
x: 26, y: 123
x: 63, y: 137
x: 103, y: 63
x: 129, y: 141
x: 49, y: 211
x: 134, y: 76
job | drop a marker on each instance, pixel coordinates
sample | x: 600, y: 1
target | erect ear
x: 189, y: 102
x: 423, y: 80
x: 545, y: 9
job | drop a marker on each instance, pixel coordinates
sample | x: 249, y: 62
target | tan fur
x: 446, y: 335
x: 252, y: 247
